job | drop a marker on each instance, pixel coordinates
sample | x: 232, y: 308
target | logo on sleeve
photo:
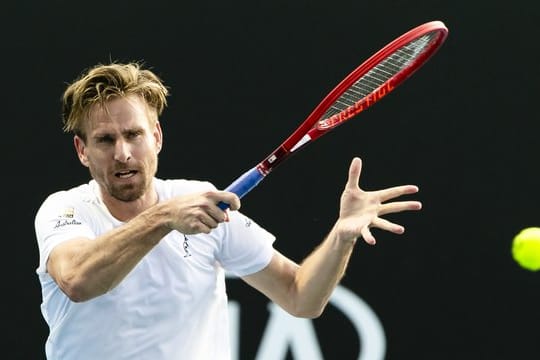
x: 66, y: 218
x: 68, y: 213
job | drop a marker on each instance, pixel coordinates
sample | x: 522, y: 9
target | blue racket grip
x: 244, y: 184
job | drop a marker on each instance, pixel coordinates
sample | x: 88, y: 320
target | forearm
x: 320, y: 273
x: 86, y: 268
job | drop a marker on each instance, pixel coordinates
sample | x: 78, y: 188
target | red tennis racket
x: 368, y: 83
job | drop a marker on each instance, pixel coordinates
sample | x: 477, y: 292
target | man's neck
x: 127, y: 210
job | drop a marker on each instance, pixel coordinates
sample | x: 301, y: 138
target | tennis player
x: 133, y: 266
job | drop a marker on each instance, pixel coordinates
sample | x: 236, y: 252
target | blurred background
x: 243, y: 75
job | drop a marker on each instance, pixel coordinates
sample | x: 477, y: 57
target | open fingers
x: 399, y: 206
x: 396, y: 191
x: 382, y: 224
x: 368, y: 236
x: 355, y: 170
x: 386, y: 225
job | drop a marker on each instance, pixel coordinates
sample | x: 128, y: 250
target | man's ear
x: 158, y: 135
x: 80, y: 147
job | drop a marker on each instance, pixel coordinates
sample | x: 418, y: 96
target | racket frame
x: 312, y: 127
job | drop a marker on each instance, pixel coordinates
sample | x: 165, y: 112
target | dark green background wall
x: 243, y: 74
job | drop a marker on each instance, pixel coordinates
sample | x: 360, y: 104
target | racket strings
x: 380, y: 74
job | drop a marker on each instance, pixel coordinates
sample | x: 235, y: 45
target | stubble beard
x: 133, y: 191
x: 129, y: 192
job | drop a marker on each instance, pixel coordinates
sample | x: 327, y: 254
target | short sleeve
x: 57, y: 220
x: 246, y: 247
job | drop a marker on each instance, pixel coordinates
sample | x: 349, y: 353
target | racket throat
x: 273, y: 160
x: 304, y: 140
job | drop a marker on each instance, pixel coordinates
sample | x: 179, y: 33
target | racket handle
x: 244, y: 184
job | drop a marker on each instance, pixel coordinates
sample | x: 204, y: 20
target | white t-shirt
x: 172, y: 305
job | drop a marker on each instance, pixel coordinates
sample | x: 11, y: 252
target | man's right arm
x: 85, y: 268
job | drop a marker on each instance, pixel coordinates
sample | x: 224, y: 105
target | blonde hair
x: 102, y: 83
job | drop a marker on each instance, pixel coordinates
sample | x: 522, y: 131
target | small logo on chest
x: 185, y: 245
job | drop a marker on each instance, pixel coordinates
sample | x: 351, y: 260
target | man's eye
x: 104, y: 140
x: 134, y: 134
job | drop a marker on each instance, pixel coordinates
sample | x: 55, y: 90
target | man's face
x: 121, y: 148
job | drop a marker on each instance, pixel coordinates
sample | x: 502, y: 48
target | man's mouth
x: 125, y: 174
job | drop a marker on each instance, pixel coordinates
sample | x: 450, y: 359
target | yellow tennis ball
x: 526, y: 248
